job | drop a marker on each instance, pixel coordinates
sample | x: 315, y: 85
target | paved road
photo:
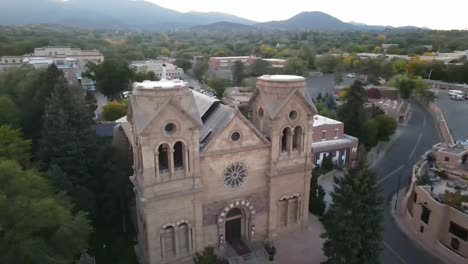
x: 416, y: 138
x: 456, y: 114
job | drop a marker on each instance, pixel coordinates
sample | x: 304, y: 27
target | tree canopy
x: 111, y: 76
x: 38, y: 226
x: 13, y: 146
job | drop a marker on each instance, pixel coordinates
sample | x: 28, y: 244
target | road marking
x: 390, y: 174
x: 415, y: 146
x: 394, y: 253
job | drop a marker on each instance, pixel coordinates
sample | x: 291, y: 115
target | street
x: 455, y: 113
x: 416, y: 137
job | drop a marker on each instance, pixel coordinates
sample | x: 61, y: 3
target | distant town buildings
x: 72, y: 61
x: 156, y: 66
x: 222, y: 66
x: 436, y: 204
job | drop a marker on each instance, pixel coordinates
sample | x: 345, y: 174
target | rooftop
x: 456, y: 149
x: 164, y: 84
x: 322, y: 120
x: 282, y: 78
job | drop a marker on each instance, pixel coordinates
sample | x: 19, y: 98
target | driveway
x: 455, y: 113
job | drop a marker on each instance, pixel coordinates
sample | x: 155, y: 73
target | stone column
x: 288, y: 211
x: 171, y: 163
x: 186, y: 162
x: 290, y: 140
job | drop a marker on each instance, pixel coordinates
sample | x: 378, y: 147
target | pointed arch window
x: 297, y: 139
x: 285, y: 139
x: 163, y: 157
x: 169, y: 242
x: 179, y: 150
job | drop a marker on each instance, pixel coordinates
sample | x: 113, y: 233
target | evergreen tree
x: 352, y: 112
x: 317, y: 194
x: 354, y: 221
x: 238, y: 73
x: 13, y: 146
x: 68, y: 140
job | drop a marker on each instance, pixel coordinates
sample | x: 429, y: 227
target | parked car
x: 466, y: 96
x: 457, y: 97
x: 351, y: 75
x: 453, y: 92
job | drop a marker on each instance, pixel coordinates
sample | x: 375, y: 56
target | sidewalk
x: 301, y: 247
x: 437, y: 250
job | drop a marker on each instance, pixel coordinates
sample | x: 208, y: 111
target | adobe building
x: 205, y: 175
x: 436, y: 204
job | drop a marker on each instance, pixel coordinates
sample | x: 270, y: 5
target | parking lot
x: 456, y: 114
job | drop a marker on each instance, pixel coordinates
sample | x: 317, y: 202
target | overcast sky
x: 447, y: 14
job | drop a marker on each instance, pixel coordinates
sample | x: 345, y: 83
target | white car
x: 454, y: 92
x: 351, y: 75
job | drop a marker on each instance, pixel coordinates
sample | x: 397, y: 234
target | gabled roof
x: 203, y: 102
x: 233, y: 113
x: 215, y: 122
x: 273, y: 107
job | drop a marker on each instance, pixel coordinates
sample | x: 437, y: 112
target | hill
x: 308, y: 20
x: 138, y: 14
x: 224, y: 27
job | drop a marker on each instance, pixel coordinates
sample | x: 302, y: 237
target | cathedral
x: 206, y: 175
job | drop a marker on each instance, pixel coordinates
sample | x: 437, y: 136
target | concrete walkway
x: 437, y: 250
x: 301, y: 247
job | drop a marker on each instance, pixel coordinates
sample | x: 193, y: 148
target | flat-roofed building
x: 156, y: 66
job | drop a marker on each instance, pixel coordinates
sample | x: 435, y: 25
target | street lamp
x: 430, y: 72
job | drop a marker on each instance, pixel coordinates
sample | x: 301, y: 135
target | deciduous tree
x: 238, y: 73
x: 218, y: 85
x: 111, y: 76
x: 38, y: 226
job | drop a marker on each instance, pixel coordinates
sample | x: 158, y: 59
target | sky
x: 447, y: 14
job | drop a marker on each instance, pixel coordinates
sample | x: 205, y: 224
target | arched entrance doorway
x: 234, y: 223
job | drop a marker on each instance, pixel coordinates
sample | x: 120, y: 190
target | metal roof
x: 203, y: 102
x: 216, y: 121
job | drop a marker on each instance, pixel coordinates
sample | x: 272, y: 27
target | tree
x: 296, y: 66
x: 327, y: 163
x: 200, y: 70
x: 14, y: 147
x: 399, y: 66
x: 267, y: 51
x: 114, y: 110
x: 406, y: 85
x: 338, y: 73
x: 260, y: 67
x: 208, y: 257
x: 352, y: 112
x: 68, y: 140
x: 238, y: 73
x: 317, y: 194
x: 306, y: 54
x: 218, y: 85
x: 38, y: 226
x: 8, y: 111
x: 111, y: 76
x: 327, y: 63
x: 183, y: 63
x: 354, y: 221
x: 141, y: 76
x: 386, y: 127
x: 113, y: 184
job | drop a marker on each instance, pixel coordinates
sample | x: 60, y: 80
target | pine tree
x: 317, y: 194
x: 67, y: 140
x: 352, y: 112
x: 354, y: 222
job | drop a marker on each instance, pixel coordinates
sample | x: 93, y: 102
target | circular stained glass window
x: 235, y: 175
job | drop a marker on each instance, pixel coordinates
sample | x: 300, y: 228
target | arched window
x: 285, y: 137
x: 169, y: 242
x: 283, y: 212
x: 294, y: 209
x: 163, y: 158
x: 179, y: 149
x: 297, y: 139
x: 183, y: 239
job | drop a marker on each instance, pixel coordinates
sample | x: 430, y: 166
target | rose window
x: 235, y: 175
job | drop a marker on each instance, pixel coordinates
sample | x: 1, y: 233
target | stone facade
x: 198, y: 162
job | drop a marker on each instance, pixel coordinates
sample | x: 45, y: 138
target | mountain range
x: 143, y: 15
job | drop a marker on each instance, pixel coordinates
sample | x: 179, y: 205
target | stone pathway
x: 301, y: 247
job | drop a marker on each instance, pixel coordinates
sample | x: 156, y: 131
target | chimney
x: 163, y: 77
